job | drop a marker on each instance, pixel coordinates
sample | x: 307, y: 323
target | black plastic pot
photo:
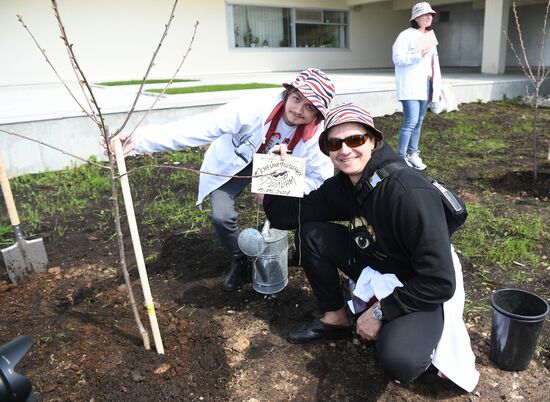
x: 518, y: 317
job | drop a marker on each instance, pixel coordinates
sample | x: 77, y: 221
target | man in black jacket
x: 396, y: 226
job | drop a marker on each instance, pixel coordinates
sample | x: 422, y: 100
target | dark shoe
x: 239, y: 273
x: 317, y: 330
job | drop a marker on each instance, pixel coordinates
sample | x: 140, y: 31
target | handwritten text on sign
x: 288, y: 177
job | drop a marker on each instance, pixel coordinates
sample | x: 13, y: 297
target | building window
x: 255, y: 26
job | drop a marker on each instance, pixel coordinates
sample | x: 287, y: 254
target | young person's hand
x: 281, y: 150
x: 128, y: 144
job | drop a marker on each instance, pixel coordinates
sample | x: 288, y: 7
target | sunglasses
x: 353, y: 141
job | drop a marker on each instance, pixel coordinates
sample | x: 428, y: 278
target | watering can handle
x: 8, y: 196
x: 265, y: 229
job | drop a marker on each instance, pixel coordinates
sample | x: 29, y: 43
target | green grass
x: 138, y: 82
x: 498, y: 240
x: 475, y: 307
x: 50, y: 198
x: 6, y: 235
x: 214, y: 88
x: 501, y: 240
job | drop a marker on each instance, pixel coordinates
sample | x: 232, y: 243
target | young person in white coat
x: 418, y: 79
x: 264, y: 122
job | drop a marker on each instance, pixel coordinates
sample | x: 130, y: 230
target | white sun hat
x: 421, y: 9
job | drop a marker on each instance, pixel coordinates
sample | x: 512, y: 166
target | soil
x: 223, y: 346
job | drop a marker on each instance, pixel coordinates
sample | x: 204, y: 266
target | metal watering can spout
x: 251, y: 242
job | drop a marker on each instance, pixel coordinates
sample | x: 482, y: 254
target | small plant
x: 44, y: 340
x: 536, y: 78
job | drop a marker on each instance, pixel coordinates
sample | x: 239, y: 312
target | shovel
x: 24, y: 257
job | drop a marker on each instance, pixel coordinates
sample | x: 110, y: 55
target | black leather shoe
x: 239, y: 273
x: 318, y: 330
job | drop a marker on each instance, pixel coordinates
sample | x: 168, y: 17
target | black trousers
x: 405, y: 344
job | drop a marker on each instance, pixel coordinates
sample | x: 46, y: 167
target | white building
x: 114, y: 40
x: 236, y: 41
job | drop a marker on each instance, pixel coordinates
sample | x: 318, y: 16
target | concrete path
x: 21, y: 103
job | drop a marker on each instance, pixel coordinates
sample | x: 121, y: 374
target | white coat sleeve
x: 233, y: 117
x: 404, y: 51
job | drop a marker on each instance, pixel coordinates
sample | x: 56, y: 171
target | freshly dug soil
x: 223, y: 346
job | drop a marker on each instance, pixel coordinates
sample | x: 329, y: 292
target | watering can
x: 270, y: 249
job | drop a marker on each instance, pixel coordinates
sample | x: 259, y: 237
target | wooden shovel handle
x: 8, y: 196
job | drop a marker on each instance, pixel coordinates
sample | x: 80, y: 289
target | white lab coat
x: 411, y: 69
x: 236, y: 128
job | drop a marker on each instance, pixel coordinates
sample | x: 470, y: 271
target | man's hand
x: 367, y: 326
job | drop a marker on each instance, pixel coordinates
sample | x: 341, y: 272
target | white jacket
x: 411, y: 68
x: 235, y: 131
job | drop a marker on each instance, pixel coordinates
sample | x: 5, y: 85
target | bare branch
x: 20, y: 18
x: 151, y: 64
x: 68, y: 46
x: 523, y: 49
x: 83, y: 82
x: 274, y: 173
x: 53, y: 147
x: 169, y: 82
x: 122, y: 254
x: 537, y: 81
x: 525, y: 72
x: 541, y: 68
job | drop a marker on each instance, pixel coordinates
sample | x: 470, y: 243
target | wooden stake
x: 132, y: 223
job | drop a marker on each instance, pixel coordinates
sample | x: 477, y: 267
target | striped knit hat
x: 316, y: 87
x: 348, y: 113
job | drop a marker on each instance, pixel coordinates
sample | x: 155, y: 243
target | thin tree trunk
x: 122, y: 255
x: 534, y: 135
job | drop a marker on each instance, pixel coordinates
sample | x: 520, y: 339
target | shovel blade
x: 24, y: 258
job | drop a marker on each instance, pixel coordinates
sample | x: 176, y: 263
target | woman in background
x: 418, y: 79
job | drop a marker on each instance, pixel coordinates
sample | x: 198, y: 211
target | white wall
x: 531, y: 21
x: 461, y: 38
x: 114, y: 40
x: 375, y: 28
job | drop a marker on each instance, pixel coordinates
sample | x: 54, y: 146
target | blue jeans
x: 413, y: 116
